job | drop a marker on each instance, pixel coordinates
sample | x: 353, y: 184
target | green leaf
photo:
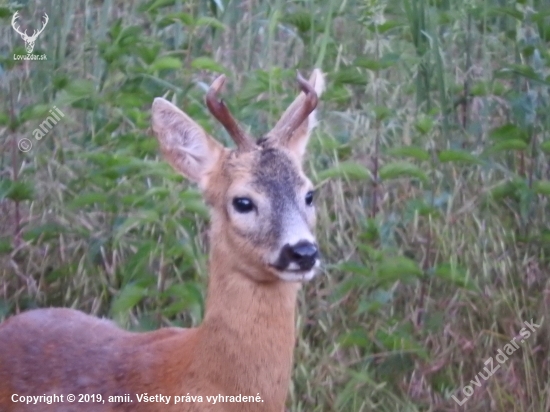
x: 424, y: 125
x: 211, y: 22
x: 46, y: 232
x: 351, y: 283
x: 156, y: 4
x: 129, y: 297
x: 142, y: 217
x: 382, y: 112
x: 545, y: 146
x: 337, y: 94
x: 508, y: 132
x: 5, y: 12
x: 458, y: 156
x: 354, y: 267
x: 480, y: 88
x: 356, y: 337
x: 349, y: 76
x: 4, y: 119
x: 251, y: 90
x: 520, y: 70
x: 454, y: 275
x: 410, y: 151
x: 399, y: 339
x: 300, y: 19
x: 80, y: 88
x: 388, y: 25
x: 166, y: 62
x: 506, y: 11
x: 185, y: 296
x: 38, y: 111
x: 5, y: 245
x: 198, y: 207
x: 509, y: 145
x: 206, y: 63
x: 346, y: 170
x: 185, y: 18
x: 87, y: 199
x: 18, y: 191
x: 402, y: 169
x: 398, y: 268
x: 128, y: 36
x: 420, y: 207
x: 373, y: 65
x: 507, y: 189
x: 5, y: 186
x: 542, y: 187
x: 374, y: 302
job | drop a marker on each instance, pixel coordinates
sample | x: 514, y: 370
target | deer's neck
x: 248, y: 334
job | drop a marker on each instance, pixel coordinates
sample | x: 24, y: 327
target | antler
x: 292, y: 119
x: 13, y: 21
x: 220, y: 111
x: 35, y: 34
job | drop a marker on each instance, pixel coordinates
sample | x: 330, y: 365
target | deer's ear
x: 184, y: 144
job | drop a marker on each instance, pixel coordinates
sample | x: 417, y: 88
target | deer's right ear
x: 184, y: 144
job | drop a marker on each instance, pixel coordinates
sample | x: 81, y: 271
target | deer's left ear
x: 186, y: 146
x: 296, y: 140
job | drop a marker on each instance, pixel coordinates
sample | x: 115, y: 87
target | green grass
x: 431, y: 160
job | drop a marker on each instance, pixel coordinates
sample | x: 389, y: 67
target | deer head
x: 261, y: 202
x: 29, y: 40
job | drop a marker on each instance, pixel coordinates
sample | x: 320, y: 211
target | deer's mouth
x: 297, y: 275
x: 293, y: 273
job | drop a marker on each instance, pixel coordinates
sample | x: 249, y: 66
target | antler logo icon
x: 29, y: 40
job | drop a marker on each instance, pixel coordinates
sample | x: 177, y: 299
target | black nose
x: 304, y: 254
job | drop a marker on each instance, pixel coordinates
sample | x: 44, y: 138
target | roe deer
x: 261, y: 247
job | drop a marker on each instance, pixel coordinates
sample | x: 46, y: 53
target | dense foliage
x: 431, y: 161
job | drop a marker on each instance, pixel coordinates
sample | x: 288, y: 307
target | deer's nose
x: 303, y: 253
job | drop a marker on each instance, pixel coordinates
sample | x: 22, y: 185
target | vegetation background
x: 431, y: 161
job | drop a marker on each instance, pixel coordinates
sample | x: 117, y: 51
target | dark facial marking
x: 262, y: 141
x: 276, y: 176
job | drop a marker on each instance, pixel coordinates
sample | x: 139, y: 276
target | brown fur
x: 245, y: 343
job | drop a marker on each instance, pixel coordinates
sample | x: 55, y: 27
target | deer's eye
x: 243, y: 204
x: 309, y: 197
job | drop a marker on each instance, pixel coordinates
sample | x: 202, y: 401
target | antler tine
x: 13, y: 21
x: 44, y: 24
x: 220, y: 111
x: 308, y: 90
x: 311, y: 100
x: 287, y: 126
